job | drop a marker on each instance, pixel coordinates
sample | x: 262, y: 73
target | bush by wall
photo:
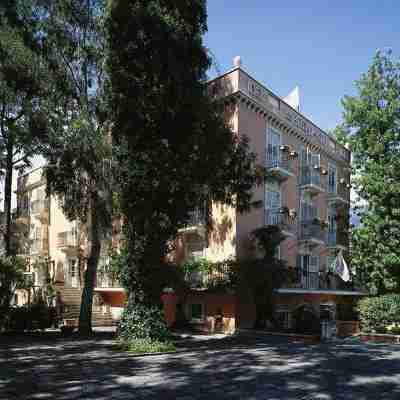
x: 37, y: 316
x: 143, y: 329
x: 377, y: 314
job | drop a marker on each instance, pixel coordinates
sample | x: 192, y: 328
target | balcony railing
x: 338, y: 194
x: 38, y: 206
x: 107, y: 280
x: 279, y: 163
x: 67, y: 239
x: 217, y: 276
x: 310, y: 177
x: 197, y: 217
x: 298, y: 278
x: 312, y: 231
x: 278, y: 217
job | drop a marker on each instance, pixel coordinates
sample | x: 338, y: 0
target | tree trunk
x: 85, y: 316
x: 7, y: 194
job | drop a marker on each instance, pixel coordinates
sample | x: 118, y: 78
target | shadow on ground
x: 48, y: 366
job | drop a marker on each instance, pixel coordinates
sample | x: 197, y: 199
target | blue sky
x: 322, y: 46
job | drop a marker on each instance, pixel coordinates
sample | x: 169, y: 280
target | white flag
x: 340, y: 267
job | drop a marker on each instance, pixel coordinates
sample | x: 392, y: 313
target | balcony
x: 38, y: 246
x: 278, y: 164
x: 106, y: 281
x: 311, y: 180
x: 338, y: 195
x: 312, y: 233
x: 218, y: 276
x: 68, y: 242
x: 40, y: 209
x: 197, y: 221
x: 337, y: 240
x: 298, y: 280
x: 280, y: 218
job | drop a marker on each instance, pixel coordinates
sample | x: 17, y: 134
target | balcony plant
x: 284, y: 210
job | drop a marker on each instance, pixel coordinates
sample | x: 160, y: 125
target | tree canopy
x: 372, y: 128
x: 172, y: 143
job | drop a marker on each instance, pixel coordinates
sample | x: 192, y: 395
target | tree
x: 11, y: 278
x: 24, y: 78
x: 173, y: 149
x: 260, y: 272
x: 78, y: 147
x: 372, y: 128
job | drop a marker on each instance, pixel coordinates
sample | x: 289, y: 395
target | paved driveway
x: 233, y: 368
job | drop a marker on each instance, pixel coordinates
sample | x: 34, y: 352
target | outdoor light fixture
x: 293, y: 153
x: 284, y: 147
x: 324, y: 172
x: 342, y: 181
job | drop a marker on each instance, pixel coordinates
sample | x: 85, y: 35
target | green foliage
x: 143, y: 322
x: 78, y: 150
x: 261, y: 273
x: 168, y: 133
x: 378, y: 313
x: 11, y: 278
x: 372, y: 128
x: 142, y: 346
x: 36, y: 316
x: 25, y: 85
x: 217, y: 276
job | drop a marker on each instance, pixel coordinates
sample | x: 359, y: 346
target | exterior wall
x: 222, y: 236
x: 253, y: 126
x: 211, y: 303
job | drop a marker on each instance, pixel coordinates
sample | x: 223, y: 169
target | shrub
x: 140, y: 321
x: 140, y: 346
x: 28, y: 318
x: 377, y: 313
x: 143, y: 329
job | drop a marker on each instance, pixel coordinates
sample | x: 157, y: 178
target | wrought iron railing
x: 299, y: 278
x: 311, y: 176
x: 67, y: 239
x: 312, y: 230
x: 107, y: 280
x: 278, y: 159
x: 218, y: 275
x: 197, y: 217
x: 279, y: 217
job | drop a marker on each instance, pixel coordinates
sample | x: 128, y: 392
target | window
x: 332, y: 178
x: 332, y: 219
x: 308, y: 211
x: 196, y: 312
x: 273, y: 144
x: 273, y: 196
x: 72, y: 268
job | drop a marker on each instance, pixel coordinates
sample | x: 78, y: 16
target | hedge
x: 378, y: 313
